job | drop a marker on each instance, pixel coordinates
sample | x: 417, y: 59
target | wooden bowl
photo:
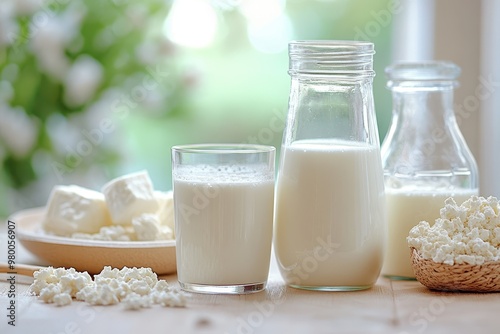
x: 457, y: 277
x: 91, y: 255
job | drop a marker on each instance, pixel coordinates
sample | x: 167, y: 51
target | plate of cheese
x: 127, y: 224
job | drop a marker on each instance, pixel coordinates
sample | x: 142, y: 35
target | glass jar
x: 330, y: 210
x: 424, y: 155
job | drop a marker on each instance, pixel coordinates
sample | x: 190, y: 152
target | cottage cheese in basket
x: 464, y: 234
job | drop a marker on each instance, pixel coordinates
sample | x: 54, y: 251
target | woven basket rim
x: 457, y: 277
x: 413, y: 249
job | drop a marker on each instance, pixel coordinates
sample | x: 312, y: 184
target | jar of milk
x: 330, y: 208
x: 424, y: 155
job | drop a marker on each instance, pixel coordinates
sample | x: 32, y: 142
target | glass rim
x: 223, y: 148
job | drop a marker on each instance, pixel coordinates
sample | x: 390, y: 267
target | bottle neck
x: 331, y: 93
x: 424, y: 148
x: 329, y: 107
x: 424, y: 145
x: 423, y: 119
x: 423, y: 109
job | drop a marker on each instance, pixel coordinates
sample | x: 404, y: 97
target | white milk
x: 405, y: 209
x: 223, y: 226
x: 330, y: 214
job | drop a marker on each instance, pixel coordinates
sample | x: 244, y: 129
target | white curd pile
x: 135, y: 288
x: 464, y: 234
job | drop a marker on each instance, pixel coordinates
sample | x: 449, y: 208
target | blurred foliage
x: 107, y: 32
x: 65, y: 68
x: 93, y: 89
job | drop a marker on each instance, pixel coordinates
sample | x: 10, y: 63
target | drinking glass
x: 223, y: 204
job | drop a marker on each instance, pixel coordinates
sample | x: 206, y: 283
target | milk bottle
x: 424, y: 155
x: 330, y: 209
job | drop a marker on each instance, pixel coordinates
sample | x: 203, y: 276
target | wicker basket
x: 458, y: 277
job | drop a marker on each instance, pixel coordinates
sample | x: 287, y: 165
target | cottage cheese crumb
x: 108, y: 233
x: 174, y: 298
x: 62, y: 299
x: 48, y: 293
x: 135, y: 287
x: 464, y: 234
x: 134, y: 301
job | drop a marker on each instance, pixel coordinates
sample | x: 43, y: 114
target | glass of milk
x: 330, y: 209
x: 224, y: 205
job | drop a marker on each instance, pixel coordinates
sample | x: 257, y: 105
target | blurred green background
x: 90, y: 90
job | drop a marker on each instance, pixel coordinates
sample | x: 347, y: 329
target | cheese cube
x: 166, y: 212
x: 130, y: 196
x: 73, y: 209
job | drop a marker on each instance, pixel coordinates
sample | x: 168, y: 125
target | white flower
x: 51, y: 33
x: 9, y: 29
x: 82, y: 80
x: 152, y: 51
x: 6, y: 91
x: 28, y: 7
x: 63, y: 133
x: 226, y: 5
x: 3, y: 152
x: 18, y: 130
x: 147, y: 52
x: 137, y: 14
x: 48, y: 43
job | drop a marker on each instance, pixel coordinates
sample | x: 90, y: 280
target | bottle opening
x: 329, y: 57
x: 423, y: 74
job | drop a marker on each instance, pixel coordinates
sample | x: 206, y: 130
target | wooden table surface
x: 391, y: 306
